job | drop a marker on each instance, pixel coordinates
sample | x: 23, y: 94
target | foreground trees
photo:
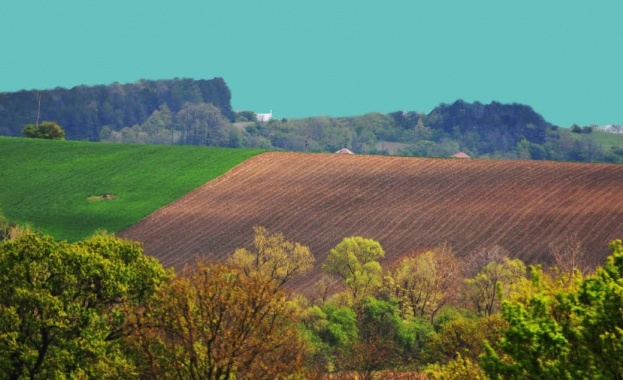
x: 564, y: 328
x: 99, y: 308
x: 62, y: 305
x: 216, y: 322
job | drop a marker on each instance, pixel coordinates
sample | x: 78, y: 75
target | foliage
x: 332, y: 331
x: 63, y: 306
x: 386, y: 341
x: 193, y: 124
x: 85, y: 110
x: 426, y: 282
x: 365, y: 338
x: 564, y: 331
x: 46, y: 130
x: 63, y: 174
x: 485, y: 291
x: 461, y: 368
x: 464, y: 336
x: 355, y: 261
x: 274, y: 257
x: 215, y: 322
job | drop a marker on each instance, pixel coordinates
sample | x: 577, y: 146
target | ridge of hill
x: 407, y: 204
x: 70, y: 188
x: 198, y: 112
x: 84, y: 110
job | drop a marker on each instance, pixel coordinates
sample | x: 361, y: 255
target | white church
x: 264, y: 117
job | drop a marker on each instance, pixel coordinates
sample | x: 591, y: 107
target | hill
x: 68, y: 188
x: 406, y: 204
x: 494, y: 130
x: 84, y: 110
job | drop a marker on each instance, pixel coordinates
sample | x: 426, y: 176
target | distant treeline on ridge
x: 198, y: 112
x: 84, y: 110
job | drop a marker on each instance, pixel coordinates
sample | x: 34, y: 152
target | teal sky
x: 332, y: 57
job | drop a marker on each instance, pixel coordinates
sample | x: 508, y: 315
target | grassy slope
x: 606, y: 139
x: 48, y: 183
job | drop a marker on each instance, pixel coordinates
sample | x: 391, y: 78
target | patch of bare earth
x: 404, y: 203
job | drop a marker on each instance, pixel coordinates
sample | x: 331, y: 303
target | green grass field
x: 607, y: 140
x: 56, y: 186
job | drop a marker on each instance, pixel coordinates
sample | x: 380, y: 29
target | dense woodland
x: 198, y: 112
x: 99, y: 308
x: 83, y: 111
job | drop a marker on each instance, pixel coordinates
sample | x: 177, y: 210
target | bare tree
x: 569, y: 255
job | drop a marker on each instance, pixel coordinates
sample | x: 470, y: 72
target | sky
x: 564, y: 58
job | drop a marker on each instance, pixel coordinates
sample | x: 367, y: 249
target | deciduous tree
x: 274, y: 257
x: 216, y: 322
x: 485, y: 291
x: 425, y: 282
x: 562, y: 331
x: 46, y: 130
x: 355, y: 260
x: 62, y: 305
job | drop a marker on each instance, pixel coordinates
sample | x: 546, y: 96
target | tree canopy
x: 63, y: 306
x: 46, y: 130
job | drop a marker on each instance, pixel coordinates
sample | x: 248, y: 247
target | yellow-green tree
x: 424, y: 283
x: 564, y: 330
x: 274, y: 257
x: 63, y: 306
x: 355, y: 261
x: 484, y: 292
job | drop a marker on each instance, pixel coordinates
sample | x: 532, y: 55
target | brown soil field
x: 406, y: 204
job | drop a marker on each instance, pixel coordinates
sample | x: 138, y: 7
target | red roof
x: 460, y: 155
x: 344, y: 151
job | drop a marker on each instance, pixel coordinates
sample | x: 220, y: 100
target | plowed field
x: 404, y: 203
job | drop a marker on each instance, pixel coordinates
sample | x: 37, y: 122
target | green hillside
x: 61, y: 187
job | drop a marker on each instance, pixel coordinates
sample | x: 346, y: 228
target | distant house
x: 344, y: 151
x: 460, y: 155
x: 264, y: 117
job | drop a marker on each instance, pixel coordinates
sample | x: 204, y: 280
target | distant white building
x: 611, y: 128
x: 264, y: 117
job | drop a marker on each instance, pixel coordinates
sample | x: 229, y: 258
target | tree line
x: 504, y: 131
x: 198, y: 112
x: 99, y: 308
x: 83, y: 111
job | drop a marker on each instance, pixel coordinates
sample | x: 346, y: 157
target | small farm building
x: 344, y: 151
x: 460, y: 155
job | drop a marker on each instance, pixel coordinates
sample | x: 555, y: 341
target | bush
x: 46, y: 130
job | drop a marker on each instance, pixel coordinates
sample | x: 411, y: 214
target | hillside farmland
x: 404, y: 203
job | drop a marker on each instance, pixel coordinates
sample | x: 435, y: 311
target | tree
x: 485, y: 291
x: 46, y: 130
x: 426, y: 282
x: 216, y: 322
x: 63, y: 306
x: 203, y: 124
x: 564, y: 331
x: 354, y: 260
x: 569, y: 255
x: 464, y: 336
x: 273, y: 257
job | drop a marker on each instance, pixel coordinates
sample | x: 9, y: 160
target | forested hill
x: 501, y: 125
x: 84, y: 110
